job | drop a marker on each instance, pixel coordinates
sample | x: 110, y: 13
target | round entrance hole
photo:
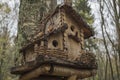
x: 72, y: 28
x: 55, y: 43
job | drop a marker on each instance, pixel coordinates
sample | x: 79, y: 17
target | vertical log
x: 82, y: 39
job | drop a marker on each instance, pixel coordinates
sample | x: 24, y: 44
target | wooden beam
x: 35, y: 73
x: 86, y: 61
x: 58, y: 71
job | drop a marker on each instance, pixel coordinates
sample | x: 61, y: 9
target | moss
x: 1, y: 5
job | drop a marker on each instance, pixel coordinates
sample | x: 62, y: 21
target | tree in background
x: 30, y: 15
x: 113, y: 54
x: 84, y: 9
x: 6, y: 46
x: 51, y: 5
x: 6, y: 54
x: 105, y: 48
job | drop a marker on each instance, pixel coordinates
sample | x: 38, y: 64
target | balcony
x: 85, y: 64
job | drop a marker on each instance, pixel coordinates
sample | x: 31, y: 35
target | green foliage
x: 5, y: 8
x: 82, y: 7
x: 90, y: 44
x: 1, y: 5
x: 96, y: 45
x: 6, y: 55
x: 6, y: 48
x: 31, y: 13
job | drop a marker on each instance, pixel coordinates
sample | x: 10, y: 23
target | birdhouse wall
x: 55, y: 41
x: 29, y: 54
x: 73, y: 38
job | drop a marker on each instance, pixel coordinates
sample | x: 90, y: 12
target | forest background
x: 102, y: 15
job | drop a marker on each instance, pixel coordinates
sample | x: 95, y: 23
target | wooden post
x: 73, y: 77
x: 82, y: 38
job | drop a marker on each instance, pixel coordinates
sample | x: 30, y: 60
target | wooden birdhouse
x: 56, y: 51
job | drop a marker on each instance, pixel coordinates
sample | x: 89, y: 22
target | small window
x: 55, y: 43
x: 76, y: 34
x: 72, y: 28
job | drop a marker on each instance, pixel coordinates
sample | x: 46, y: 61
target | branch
x: 109, y: 10
x: 104, y: 40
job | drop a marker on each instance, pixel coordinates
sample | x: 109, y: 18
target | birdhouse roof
x: 88, y: 32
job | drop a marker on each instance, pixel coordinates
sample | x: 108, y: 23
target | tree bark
x: 51, y: 4
x: 68, y: 2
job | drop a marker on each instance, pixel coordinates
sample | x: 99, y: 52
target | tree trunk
x: 68, y: 2
x: 51, y: 4
x: 104, y: 40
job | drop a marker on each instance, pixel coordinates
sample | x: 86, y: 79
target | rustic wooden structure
x: 56, y: 51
